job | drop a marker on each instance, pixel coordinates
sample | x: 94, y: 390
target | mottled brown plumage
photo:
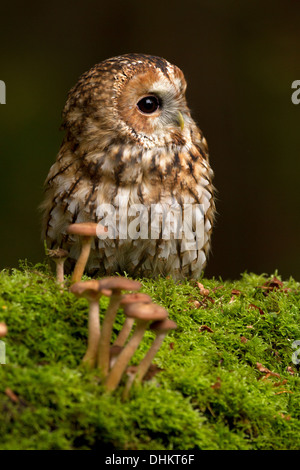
x: 114, y: 153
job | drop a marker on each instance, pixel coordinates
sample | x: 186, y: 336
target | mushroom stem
x: 161, y: 329
x: 115, y: 375
x: 59, y: 257
x: 90, y: 356
x: 60, y: 271
x: 3, y: 330
x: 145, y: 363
x: 107, y: 327
x: 82, y: 260
x: 125, y: 331
x: 91, y: 291
x: 128, y: 324
x: 128, y: 385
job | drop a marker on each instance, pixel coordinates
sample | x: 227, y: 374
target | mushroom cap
x: 163, y: 325
x: 58, y: 253
x: 147, y: 312
x: 136, y: 297
x: 3, y: 330
x: 86, y: 229
x: 88, y: 289
x: 119, y: 283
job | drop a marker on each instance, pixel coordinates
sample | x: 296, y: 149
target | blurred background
x: 239, y: 59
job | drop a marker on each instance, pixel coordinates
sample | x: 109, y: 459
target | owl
x: 132, y: 159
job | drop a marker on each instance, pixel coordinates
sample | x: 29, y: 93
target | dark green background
x: 240, y: 59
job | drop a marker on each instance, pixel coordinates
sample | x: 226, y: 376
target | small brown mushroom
x: 59, y: 256
x: 3, y: 330
x: 143, y: 314
x: 91, y: 291
x: 116, y: 285
x: 161, y: 328
x: 87, y: 230
x: 128, y: 323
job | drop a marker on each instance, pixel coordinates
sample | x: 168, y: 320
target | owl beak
x: 180, y: 120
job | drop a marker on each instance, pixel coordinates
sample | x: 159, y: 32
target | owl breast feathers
x: 134, y: 160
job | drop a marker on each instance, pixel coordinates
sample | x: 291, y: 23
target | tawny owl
x: 133, y: 159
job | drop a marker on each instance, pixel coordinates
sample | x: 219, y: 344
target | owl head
x: 133, y: 98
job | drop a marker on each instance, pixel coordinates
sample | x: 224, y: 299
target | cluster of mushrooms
x: 112, y: 359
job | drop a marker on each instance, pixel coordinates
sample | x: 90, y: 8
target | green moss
x: 210, y: 394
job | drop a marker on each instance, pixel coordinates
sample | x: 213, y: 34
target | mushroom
x: 143, y: 314
x: 161, y: 328
x: 128, y: 323
x: 87, y: 230
x: 3, y: 330
x: 59, y: 256
x: 90, y: 290
x: 116, y: 285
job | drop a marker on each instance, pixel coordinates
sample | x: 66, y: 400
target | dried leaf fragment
x: 11, y: 395
x: 257, y: 308
x: 271, y: 285
x: 217, y: 288
x: 265, y: 370
x: 205, y: 328
x: 278, y: 384
x: 236, y: 292
x: 202, y: 289
x: 286, y: 417
x: 274, y: 282
x: 217, y: 384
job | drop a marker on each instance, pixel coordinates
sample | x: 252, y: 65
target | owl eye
x: 148, y: 104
